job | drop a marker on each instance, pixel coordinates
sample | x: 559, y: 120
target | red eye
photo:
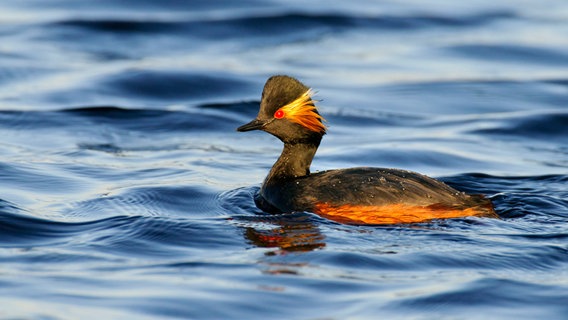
x: 279, y: 114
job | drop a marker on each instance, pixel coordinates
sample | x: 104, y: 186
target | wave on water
x: 281, y: 23
x: 126, y: 193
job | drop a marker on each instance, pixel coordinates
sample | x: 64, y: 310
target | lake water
x: 126, y: 193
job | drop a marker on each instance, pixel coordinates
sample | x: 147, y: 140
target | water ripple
x: 126, y: 192
x: 281, y: 23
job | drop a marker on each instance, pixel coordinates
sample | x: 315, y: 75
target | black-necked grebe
x: 355, y: 195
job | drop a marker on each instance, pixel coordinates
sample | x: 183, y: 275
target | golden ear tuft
x: 303, y: 112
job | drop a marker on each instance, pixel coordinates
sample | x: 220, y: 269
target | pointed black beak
x: 255, y: 124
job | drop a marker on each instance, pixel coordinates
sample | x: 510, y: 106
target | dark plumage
x: 355, y: 195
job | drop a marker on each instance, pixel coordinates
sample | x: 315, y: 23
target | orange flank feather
x: 303, y: 112
x: 395, y: 213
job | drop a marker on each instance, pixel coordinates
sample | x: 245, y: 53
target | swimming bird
x: 363, y: 195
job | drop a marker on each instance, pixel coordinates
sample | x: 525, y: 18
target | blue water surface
x: 125, y: 192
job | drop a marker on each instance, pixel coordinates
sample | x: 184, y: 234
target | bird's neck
x: 295, y: 160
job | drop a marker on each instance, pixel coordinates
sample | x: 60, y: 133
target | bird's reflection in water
x: 291, y: 234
